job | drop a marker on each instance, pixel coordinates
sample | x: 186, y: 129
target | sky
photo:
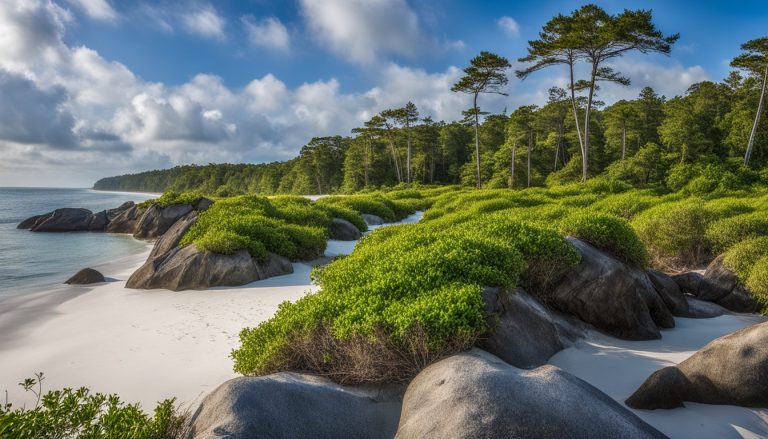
x: 94, y: 88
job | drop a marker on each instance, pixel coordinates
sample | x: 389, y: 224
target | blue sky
x: 108, y: 86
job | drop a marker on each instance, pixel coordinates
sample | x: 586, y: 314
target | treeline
x: 713, y: 134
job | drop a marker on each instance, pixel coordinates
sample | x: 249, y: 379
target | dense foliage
x: 78, y: 413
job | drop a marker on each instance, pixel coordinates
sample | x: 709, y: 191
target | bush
x: 724, y: 233
x: 625, y: 205
x: 607, y: 233
x: 170, y: 198
x: 673, y: 234
x: 370, y: 204
x: 757, y: 283
x: 347, y: 214
x: 79, y: 413
x: 742, y: 257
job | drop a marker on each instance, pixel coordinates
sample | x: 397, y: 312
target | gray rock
x: 29, y: 222
x: 701, y: 309
x: 63, y: 220
x: 372, y: 220
x: 344, y: 230
x: 124, y: 219
x: 291, y: 405
x: 171, y: 238
x: 616, y: 298
x: 85, y: 276
x: 187, y: 268
x: 522, y: 331
x: 718, y: 284
x: 669, y: 292
x: 203, y: 204
x: 476, y: 395
x: 731, y: 370
x: 158, y: 219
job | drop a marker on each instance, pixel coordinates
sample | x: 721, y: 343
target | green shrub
x: 673, y: 234
x: 757, y: 283
x: 70, y: 413
x: 370, y: 204
x: 625, y: 205
x: 742, y: 257
x: 347, y: 214
x: 724, y: 233
x: 607, y: 233
x: 227, y: 242
x: 170, y: 198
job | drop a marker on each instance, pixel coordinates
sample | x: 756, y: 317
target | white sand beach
x: 151, y: 345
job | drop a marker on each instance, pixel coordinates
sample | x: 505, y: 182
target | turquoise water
x: 33, y: 260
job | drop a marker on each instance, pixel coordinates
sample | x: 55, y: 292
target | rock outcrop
x: 344, y: 230
x: 124, y: 219
x: 719, y: 285
x: 86, y: 276
x: 158, y: 219
x: 66, y: 220
x: 476, y: 395
x: 616, y: 298
x: 372, y: 220
x: 187, y: 268
x: 294, y: 405
x: 730, y: 370
x: 523, y: 332
x: 172, y: 236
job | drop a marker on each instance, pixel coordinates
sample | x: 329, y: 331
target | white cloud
x: 269, y: 33
x: 509, y: 26
x: 362, y: 30
x: 668, y: 80
x: 97, y: 9
x: 203, y: 20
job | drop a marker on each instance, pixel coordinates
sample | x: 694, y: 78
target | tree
x: 600, y: 37
x: 485, y: 74
x: 556, y: 46
x: 385, y: 122
x: 406, y: 117
x: 755, y: 61
x: 620, y: 118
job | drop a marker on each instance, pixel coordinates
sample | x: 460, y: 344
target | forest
x: 714, y: 131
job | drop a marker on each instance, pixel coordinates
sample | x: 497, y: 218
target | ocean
x: 31, y: 261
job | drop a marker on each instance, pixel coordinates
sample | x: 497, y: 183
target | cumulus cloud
x: 509, y: 26
x: 97, y: 9
x: 269, y: 33
x: 362, y: 30
x: 31, y: 115
x: 204, y: 21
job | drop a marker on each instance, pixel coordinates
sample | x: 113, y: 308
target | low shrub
x: 607, y: 233
x: 757, y: 283
x: 625, y: 205
x: 724, y: 233
x: 673, y: 234
x: 370, y: 204
x: 347, y: 214
x: 169, y: 198
x: 742, y: 257
x: 70, y: 413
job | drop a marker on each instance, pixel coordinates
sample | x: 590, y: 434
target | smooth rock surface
x: 65, y: 220
x: 172, y: 236
x: 616, y: 298
x: 523, y: 332
x: 372, y: 220
x: 669, y: 292
x: 731, y: 370
x: 124, y: 219
x: 158, y: 219
x: 292, y: 405
x: 85, y: 276
x: 344, y: 230
x: 477, y: 395
x: 187, y: 268
x: 718, y: 284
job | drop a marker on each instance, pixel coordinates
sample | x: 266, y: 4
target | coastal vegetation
x: 69, y: 413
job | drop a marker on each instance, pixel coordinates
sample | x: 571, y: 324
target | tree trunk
x: 395, y: 161
x: 530, y: 150
x: 575, y: 111
x: 559, y: 144
x: 368, y: 150
x: 753, y: 134
x: 408, y: 154
x: 585, y: 156
x: 623, y: 140
x: 477, y: 141
x: 512, y: 167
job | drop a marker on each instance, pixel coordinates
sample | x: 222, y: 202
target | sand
x: 151, y: 345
